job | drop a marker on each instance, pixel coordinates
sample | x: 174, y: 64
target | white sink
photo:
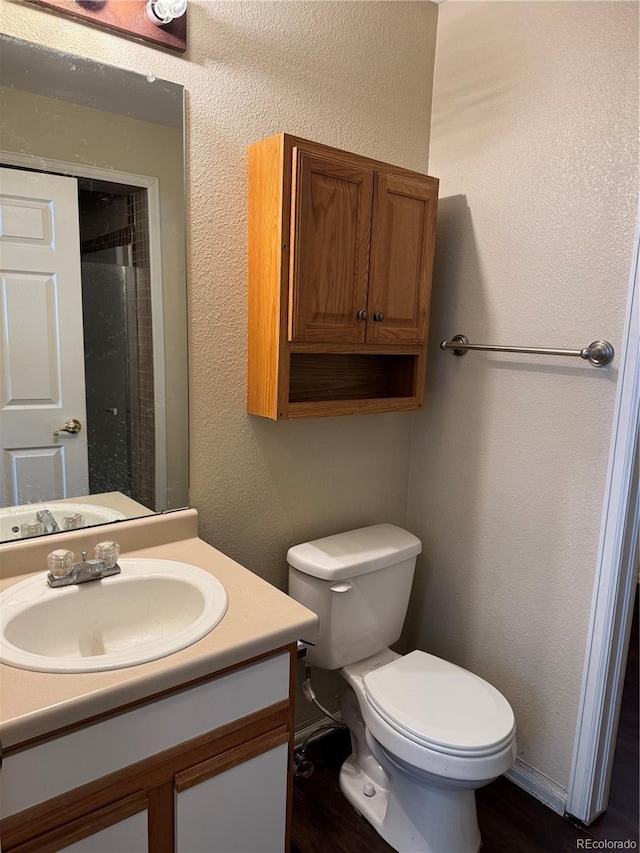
x: 11, y: 517
x: 150, y: 610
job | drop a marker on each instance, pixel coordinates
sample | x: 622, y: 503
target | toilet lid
x: 440, y: 705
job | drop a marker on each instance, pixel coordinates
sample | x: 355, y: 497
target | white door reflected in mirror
x: 42, y: 339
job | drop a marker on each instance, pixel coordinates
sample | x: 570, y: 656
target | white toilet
x: 424, y: 732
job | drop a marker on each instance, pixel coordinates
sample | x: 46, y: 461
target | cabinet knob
x: 378, y: 316
x: 362, y: 315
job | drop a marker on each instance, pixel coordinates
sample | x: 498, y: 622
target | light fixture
x: 161, y: 12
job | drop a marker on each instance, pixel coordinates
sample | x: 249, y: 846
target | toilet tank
x: 358, y: 583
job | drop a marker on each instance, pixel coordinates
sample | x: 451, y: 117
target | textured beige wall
x: 354, y: 75
x: 535, y: 140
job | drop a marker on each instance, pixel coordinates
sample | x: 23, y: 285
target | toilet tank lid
x: 346, y: 555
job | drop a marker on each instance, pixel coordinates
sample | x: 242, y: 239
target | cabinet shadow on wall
x: 450, y: 427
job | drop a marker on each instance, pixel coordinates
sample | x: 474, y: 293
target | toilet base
x: 444, y: 826
x: 412, y: 815
x: 353, y: 783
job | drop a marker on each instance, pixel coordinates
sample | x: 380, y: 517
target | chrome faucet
x: 46, y: 517
x: 64, y: 572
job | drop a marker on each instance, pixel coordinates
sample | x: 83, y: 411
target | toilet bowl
x: 425, y: 733
x: 413, y: 776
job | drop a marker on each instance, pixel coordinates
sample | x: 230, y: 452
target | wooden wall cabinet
x: 340, y: 261
x: 205, y: 767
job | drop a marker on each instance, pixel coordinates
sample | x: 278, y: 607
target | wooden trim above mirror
x: 127, y: 17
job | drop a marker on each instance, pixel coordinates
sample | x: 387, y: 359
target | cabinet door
x: 120, y: 827
x: 242, y: 809
x: 402, y: 242
x: 128, y: 836
x: 330, y: 239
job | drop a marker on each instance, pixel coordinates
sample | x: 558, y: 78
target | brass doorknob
x: 71, y: 425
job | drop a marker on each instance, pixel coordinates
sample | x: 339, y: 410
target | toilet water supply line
x: 302, y: 765
x: 310, y: 696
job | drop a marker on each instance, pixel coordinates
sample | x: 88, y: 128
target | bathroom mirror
x: 93, y: 381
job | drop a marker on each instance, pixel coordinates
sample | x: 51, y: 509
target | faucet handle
x: 31, y: 528
x: 109, y: 552
x: 73, y: 522
x: 60, y: 562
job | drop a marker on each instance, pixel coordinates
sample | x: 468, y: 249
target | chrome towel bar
x: 598, y: 353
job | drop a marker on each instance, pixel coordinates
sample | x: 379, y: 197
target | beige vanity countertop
x: 259, y: 619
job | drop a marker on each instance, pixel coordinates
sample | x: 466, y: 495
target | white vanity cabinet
x: 199, y: 769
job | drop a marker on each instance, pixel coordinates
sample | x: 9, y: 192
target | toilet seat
x: 440, y: 706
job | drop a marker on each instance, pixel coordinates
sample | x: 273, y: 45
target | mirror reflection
x: 93, y: 383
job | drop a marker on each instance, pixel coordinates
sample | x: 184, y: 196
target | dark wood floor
x: 510, y: 820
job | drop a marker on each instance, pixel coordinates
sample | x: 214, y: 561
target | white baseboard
x: 538, y: 785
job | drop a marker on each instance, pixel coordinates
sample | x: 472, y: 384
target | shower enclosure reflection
x: 118, y: 340
x: 114, y: 142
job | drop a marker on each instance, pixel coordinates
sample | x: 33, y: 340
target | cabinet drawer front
x: 330, y: 238
x: 403, y: 237
x: 59, y: 765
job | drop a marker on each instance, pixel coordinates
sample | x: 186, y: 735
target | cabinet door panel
x: 403, y: 234
x: 330, y: 239
x: 127, y: 836
x: 242, y: 810
x: 119, y: 827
